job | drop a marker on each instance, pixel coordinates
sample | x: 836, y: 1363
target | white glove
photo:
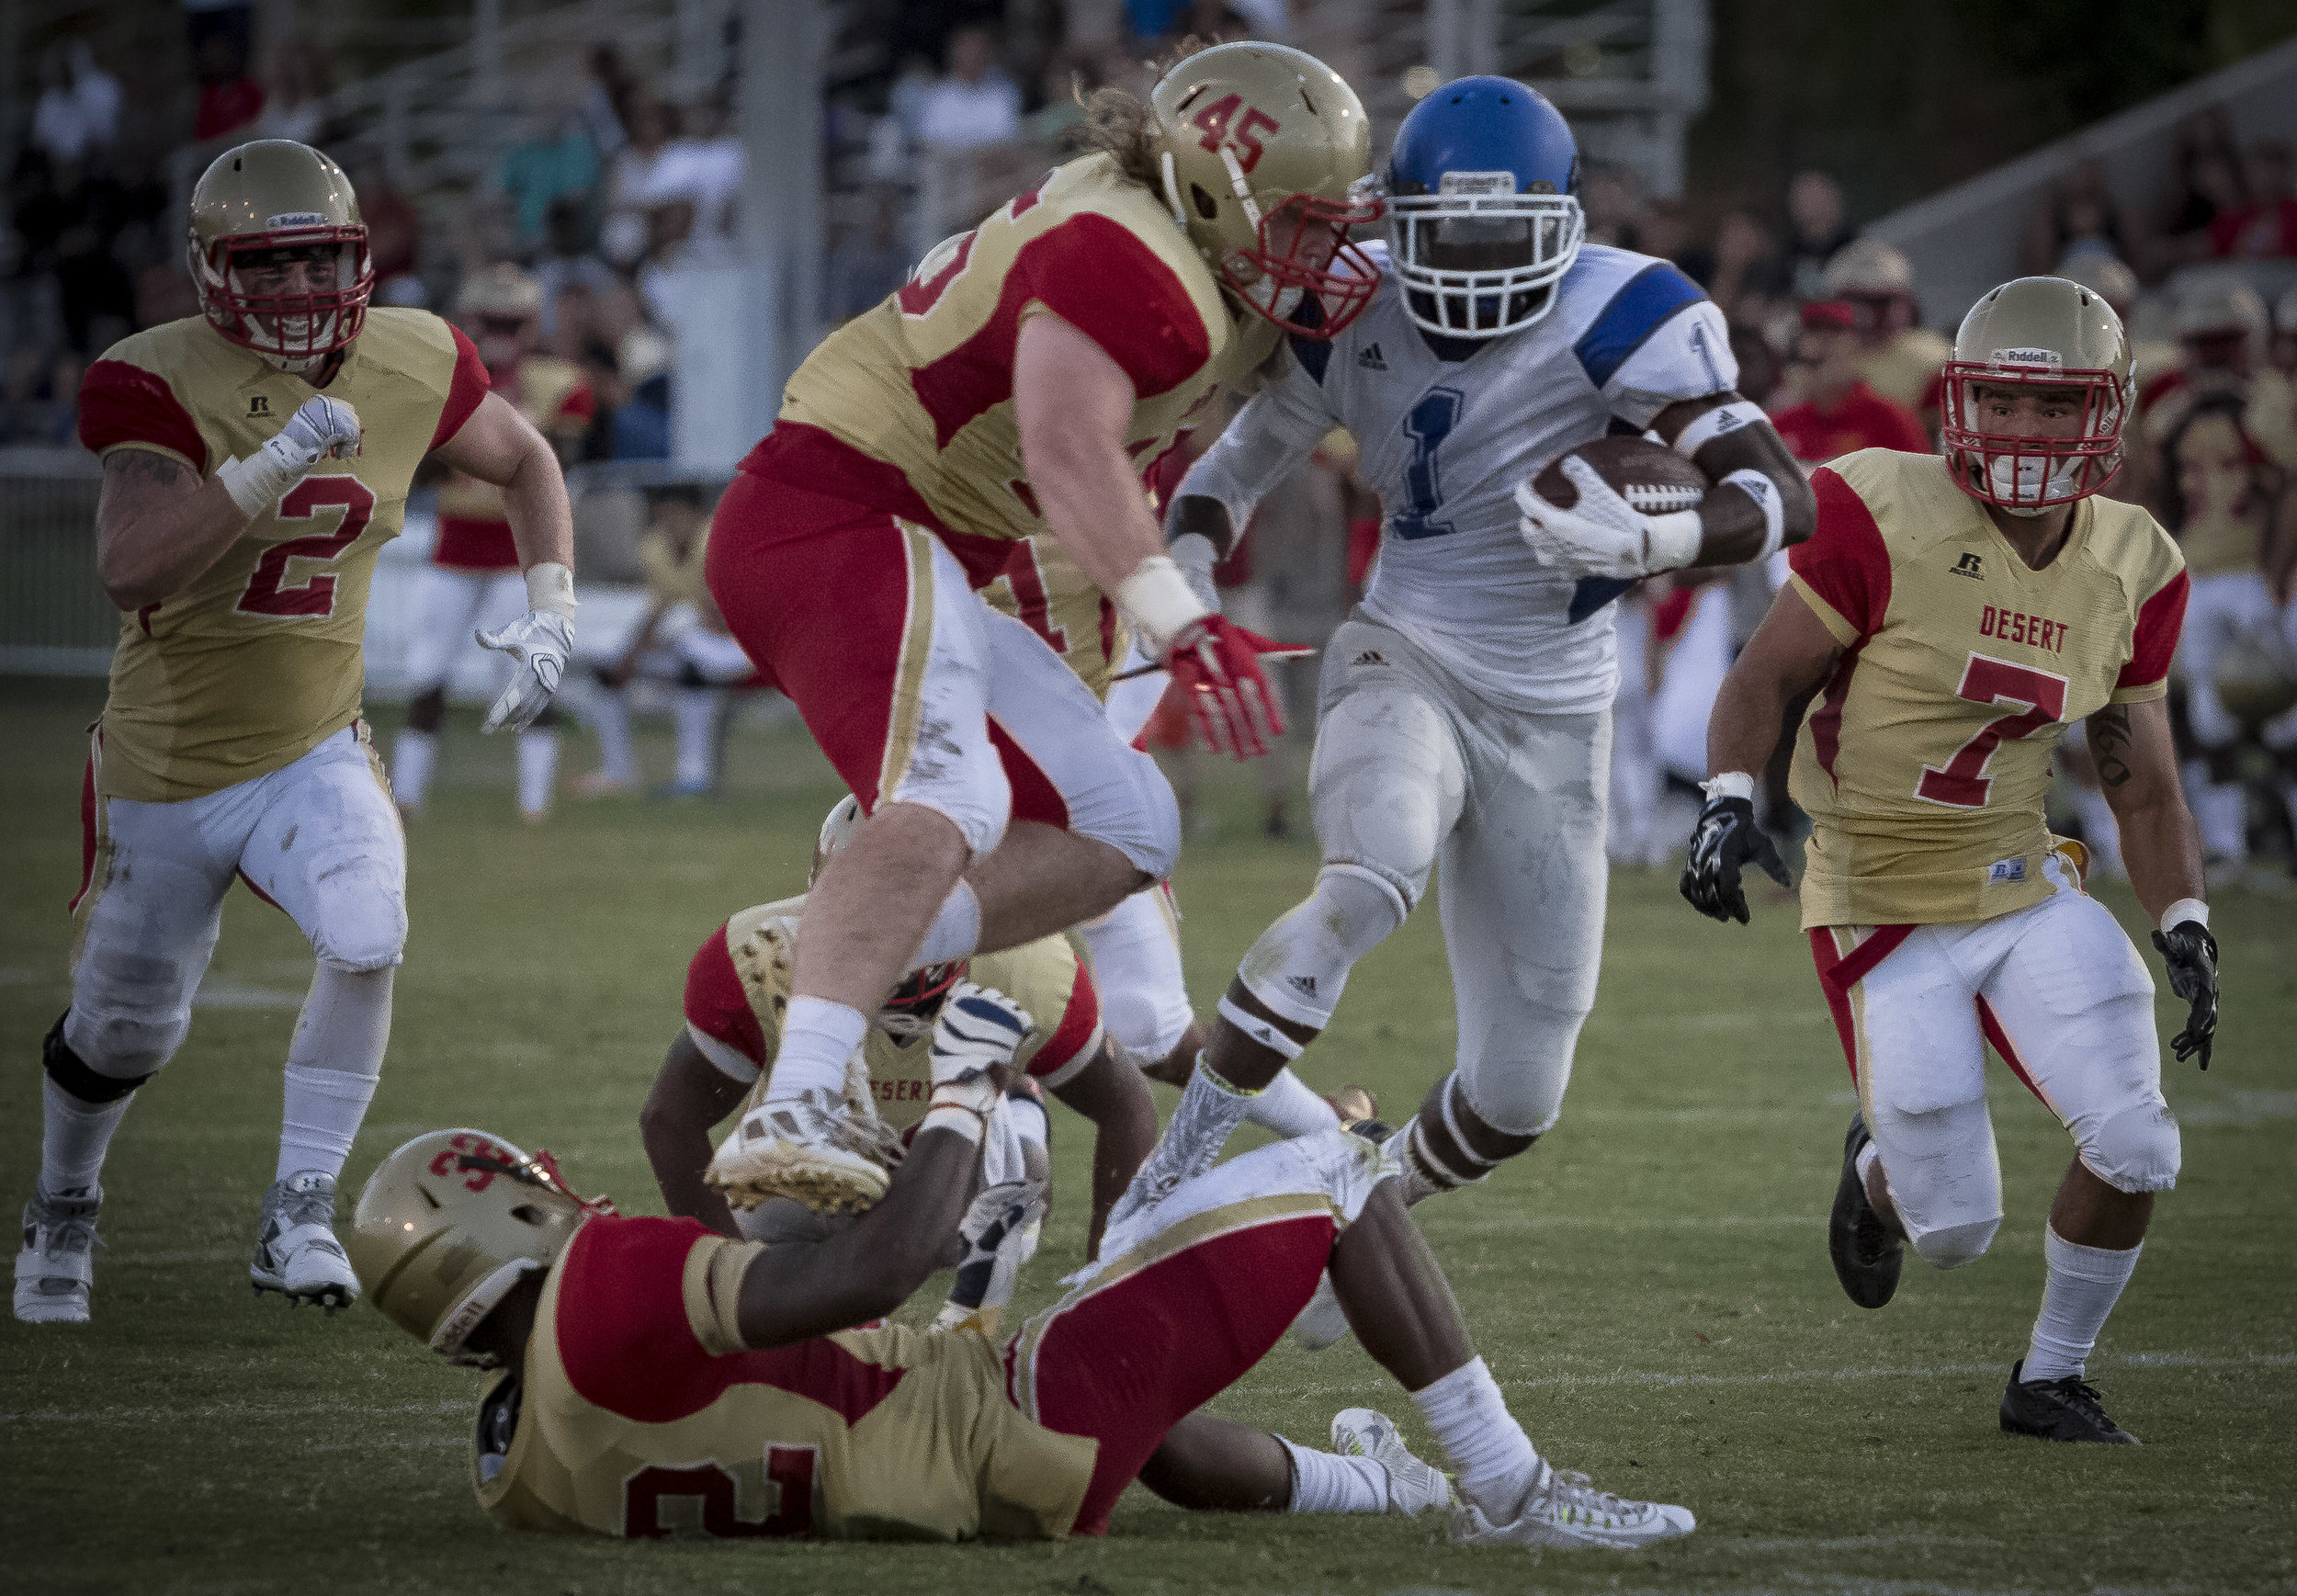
x: 321, y: 429
x: 1194, y: 553
x: 976, y: 1034
x: 998, y: 1232
x: 540, y: 640
x: 1602, y: 535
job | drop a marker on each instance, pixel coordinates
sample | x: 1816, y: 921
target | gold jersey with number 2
x: 257, y: 660
x: 1924, y: 763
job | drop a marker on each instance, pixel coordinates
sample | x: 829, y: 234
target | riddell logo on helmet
x: 2049, y: 358
x: 295, y: 219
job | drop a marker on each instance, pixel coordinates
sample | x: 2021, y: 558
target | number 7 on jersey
x: 1962, y: 782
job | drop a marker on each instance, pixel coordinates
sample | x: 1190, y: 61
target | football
x: 1651, y: 477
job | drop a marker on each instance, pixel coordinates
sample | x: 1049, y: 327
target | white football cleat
x: 1323, y: 1322
x: 1413, y: 1487
x: 296, y: 1250
x: 816, y: 1148
x: 57, y: 1265
x: 1561, y: 1508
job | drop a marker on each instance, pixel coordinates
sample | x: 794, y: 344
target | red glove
x: 1216, y: 664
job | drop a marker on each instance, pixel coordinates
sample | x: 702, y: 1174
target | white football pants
x: 450, y: 609
x: 2218, y: 612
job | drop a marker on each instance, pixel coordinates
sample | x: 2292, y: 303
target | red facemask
x: 291, y: 327
x: 1330, y: 296
x: 2032, y: 473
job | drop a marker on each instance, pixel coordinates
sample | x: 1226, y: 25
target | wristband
x: 256, y: 482
x: 1155, y: 599
x: 550, y: 586
x: 1260, y: 1031
x: 968, y: 1123
x: 1731, y: 784
x: 1765, y: 493
x: 1672, y: 540
x: 2186, y: 908
x: 1710, y: 425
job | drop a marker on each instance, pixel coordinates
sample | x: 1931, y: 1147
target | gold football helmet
x: 270, y: 195
x: 449, y: 1223
x: 1265, y: 151
x: 2044, y: 334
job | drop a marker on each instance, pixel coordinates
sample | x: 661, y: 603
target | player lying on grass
x: 738, y: 989
x: 1962, y: 612
x: 659, y: 1378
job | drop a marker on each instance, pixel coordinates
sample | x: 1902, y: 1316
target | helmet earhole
x: 1207, y: 205
x: 527, y: 1214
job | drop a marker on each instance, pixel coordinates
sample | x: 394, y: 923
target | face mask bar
x: 1482, y: 303
x: 2029, y: 474
x: 1280, y: 284
x: 290, y: 328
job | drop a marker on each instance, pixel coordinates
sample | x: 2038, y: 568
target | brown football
x: 1651, y: 477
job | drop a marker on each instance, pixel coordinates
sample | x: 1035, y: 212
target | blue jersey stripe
x: 1648, y: 302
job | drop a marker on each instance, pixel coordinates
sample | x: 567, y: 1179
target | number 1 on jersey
x: 1429, y: 424
x: 1961, y: 783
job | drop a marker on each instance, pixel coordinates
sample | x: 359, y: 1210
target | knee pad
x: 1300, y: 965
x: 1385, y: 781
x: 2134, y: 1149
x: 128, y: 1014
x: 977, y: 801
x: 1133, y: 810
x: 71, y: 1074
x: 1517, y: 1087
x: 1955, y: 1245
x: 361, y: 927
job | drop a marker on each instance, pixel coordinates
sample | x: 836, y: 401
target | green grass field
x: 1650, y: 1285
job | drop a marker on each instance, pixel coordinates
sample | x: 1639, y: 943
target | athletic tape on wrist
x: 1765, y: 493
x: 2183, y: 910
x: 1157, y: 598
x: 1672, y: 541
x: 1731, y: 784
x: 550, y: 586
x: 968, y: 1123
x: 256, y: 482
x: 1708, y: 426
x: 1262, y: 1031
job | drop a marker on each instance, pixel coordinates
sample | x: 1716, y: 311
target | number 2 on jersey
x: 1427, y: 425
x: 1961, y: 783
x: 268, y: 590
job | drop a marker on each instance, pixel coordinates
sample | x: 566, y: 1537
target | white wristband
x: 2186, y: 908
x: 1731, y: 784
x: 550, y: 586
x: 1157, y: 600
x: 256, y: 482
x: 967, y: 1123
x: 1672, y: 540
x: 1765, y: 493
x: 1710, y: 425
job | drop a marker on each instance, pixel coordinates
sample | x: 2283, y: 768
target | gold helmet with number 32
x: 449, y: 1223
x: 2049, y: 336
x: 1263, y: 152
x: 264, y: 199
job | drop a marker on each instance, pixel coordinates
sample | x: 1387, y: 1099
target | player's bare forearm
x: 1115, y: 1098
x: 1074, y: 405
x: 2137, y: 771
x: 499, y: 445
x: 1733, y: 527
x: 1790, y: 653
x: 158, y: 527
x: 801, y: 1289
x: 689, y: 1095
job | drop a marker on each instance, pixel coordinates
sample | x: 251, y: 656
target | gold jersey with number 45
x: 1924, y: 763
x: 258, y: 659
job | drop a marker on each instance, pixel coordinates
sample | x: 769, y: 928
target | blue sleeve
x: 1644, y: 304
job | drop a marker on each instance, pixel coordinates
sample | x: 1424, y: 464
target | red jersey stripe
x: 2159, y: 620
x: 1845, y: 560
x: 1081, y: 1024
x: 464, y: 392
x: 626, y: 1347
x: 1826, y: 726
x: 121, y: 404
x: 716, y: 1003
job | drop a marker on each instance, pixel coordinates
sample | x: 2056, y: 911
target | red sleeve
x: 2159, y: 620
x: 716, y: 1004
x: 121, y: 404
x: 1074, y: 1039
x: 463, y: 392
x: 1112, y: 287
x: 1845, y: 562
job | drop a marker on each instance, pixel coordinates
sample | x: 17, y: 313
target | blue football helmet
x: 1483, y: 208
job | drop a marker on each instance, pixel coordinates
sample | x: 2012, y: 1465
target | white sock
x: 538, y: 770
x: 1136, y: 954
x: 818, y: 1037
x: 1491, y: 1455
x: 2083, y: 1284
x: 73, y: 1137
x: 1864, y: 1163
x: 1324, y: 1482
x: 413, y: 758
x: 1289, y: 1106
x: 957, y: 928
x: 694, y: 711
x: 609, y: 716
x: 2098, y: 828
x: 333, y: 1065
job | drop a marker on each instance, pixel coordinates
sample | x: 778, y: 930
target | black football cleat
x: 1867, y: 1255
x: 2068, y: 1410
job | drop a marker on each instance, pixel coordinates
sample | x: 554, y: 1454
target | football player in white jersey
x: 1465, y: 705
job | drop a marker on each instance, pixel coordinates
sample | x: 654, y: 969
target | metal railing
x: 54, y: 617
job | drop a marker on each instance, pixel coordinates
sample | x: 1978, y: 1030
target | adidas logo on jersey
x: 1370, y: 657
x: 1969, y: 565
x: 1304, y: 984
x: 1370, y: 358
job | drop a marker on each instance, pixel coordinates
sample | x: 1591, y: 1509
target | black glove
x: 1728, y: 838
x: 2190, y: 951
